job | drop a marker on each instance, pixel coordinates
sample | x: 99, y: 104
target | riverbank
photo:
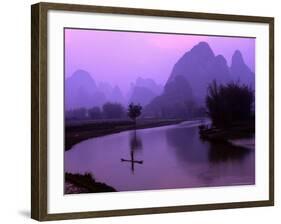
x: 79, y: 131
x: 78, y: 183
x: 248, y: 143
x: 241, y: 135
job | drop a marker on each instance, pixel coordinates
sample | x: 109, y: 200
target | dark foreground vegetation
x: 237, y: 131
x: 231, y: 109
x: 78, y: 183
x: 76, y: 132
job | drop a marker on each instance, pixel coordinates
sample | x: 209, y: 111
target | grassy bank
x: 237, y: 131
x: 78, y: 183
x: 76, y: 132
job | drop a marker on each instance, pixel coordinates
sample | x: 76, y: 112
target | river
x: 165, y: 157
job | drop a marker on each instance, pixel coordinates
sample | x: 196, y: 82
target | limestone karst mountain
x: 81, y: 91
x: 173, y: 103
x: 200, y: 66
x: 144, y: 90
x: 186, y: 86
x: 240, y: 71
x: 190, y: 78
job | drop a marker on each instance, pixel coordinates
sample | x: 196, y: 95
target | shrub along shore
x: 78, y: 183
x: 239, y: 134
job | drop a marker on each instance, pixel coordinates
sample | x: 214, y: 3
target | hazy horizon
x: 119, y: 57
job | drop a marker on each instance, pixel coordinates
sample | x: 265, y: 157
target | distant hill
x: 116, y: 96
x: 200, y: 66
x: 81, y: 91
x: 186, y: 87
x: 143, y: 91
x: 240, y: 71
x: 174, y: 101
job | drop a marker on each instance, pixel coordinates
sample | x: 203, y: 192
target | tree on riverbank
x: 134, y: 111
x: 113, y: 111
x: 230, y: 103
x: 95, y: 113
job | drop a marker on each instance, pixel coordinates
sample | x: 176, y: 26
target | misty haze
x: 148, y: 111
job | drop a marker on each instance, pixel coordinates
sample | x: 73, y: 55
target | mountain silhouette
x: 187, y: 83
x: 116, y: 96
x: 150, y: 84
x: 200, y: 67
x: 143, y: 91
x: 240, y: 71
x: 173, y: 103
x: 190, y: 77
x: 81, y: 91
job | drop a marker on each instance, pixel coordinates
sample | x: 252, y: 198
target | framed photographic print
x: 140, y: 111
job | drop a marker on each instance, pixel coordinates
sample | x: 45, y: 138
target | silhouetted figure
x: 132, y: 161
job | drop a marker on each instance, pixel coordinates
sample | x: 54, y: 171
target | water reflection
x: 223, y: 152
x: 135, y: 146
x: 161, y: 158
x: 211, y: 163
x: 189, y: 147
x: 186, y: 145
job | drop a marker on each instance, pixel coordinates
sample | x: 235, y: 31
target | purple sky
x: 120, y: 57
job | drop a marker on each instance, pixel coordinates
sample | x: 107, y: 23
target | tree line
x: 108, y: 111
x: 226, y: 105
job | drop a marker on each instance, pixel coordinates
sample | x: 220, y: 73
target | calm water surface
x: 161, y: 158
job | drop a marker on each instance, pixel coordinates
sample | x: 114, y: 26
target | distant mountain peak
x: 143, y: 90
x: 200, y: 66
x: 203, y: 48
x: 203, y: 44
x: 220, y: 59
x: 83, y: 77
x: 237, y: 58
x: 240, y: 71
x: 81, y: 73
x: 81, y: 91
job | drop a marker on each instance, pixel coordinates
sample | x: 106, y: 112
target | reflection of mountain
x: 143, y: 91
x: 189, y: 147
x: 222, y: 152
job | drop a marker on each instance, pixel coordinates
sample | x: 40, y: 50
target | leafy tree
x: 134, y: 111
x: 79, y: 113
x: 113, y: 110
x: 229, y: 104
x: 95, y: 113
